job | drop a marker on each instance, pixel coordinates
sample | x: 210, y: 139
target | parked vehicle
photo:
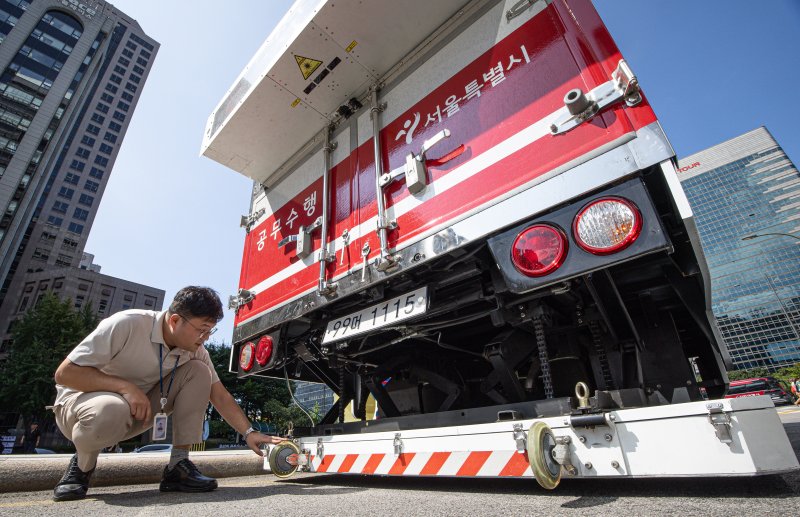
x: 760, y: 386
x: 468, y: 212
x: 155, y: 447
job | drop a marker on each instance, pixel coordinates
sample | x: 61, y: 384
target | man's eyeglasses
x: 202, y: 333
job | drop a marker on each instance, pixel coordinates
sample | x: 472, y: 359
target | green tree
x: 42, y: 339
x: 737, y: 375
x: 263, y: 400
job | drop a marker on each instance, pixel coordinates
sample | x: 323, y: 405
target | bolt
x: 608, y: 437
x: 588, y: 465
x: 615, y: 464
x: 688, y: 383
x: 566, y: 421
x: 612, y: 417
x: 582, y: 439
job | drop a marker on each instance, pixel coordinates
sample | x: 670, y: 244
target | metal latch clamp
x: 581, y: 106
x: 721, y: 422
x: 561, y: 454
x: 249, y: 220
x: 242, y: 297
x: 414, y: 170
x: 303, y: 239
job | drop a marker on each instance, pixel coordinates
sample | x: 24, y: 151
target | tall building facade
x: 71, y: 74
x: 745, y: 194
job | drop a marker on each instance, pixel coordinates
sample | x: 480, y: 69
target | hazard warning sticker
x: 307, y: 65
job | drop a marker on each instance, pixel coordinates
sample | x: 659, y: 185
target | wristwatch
x: 247, y: 433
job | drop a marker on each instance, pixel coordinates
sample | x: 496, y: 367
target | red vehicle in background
x: 760, y: 386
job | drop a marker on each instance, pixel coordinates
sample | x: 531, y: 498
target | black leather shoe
x: 74, y: 484
x: 184, y: 477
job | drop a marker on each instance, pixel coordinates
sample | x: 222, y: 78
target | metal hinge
x: 721, y: 422
x: 398, y: 445
x: 519, y: 8
x: 247, y: 221
x: 561, y: 454
x: 320, y: 449
x: 242, y: 297
x: 581, y: 106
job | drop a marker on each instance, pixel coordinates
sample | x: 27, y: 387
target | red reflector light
x: 264, y: 350
x: 607, y: 225
x: 539, y: 250
x: 247, y: 356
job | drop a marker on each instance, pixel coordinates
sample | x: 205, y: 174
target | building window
x: 107, y: 98
x: 131, y: 45
x: 82, y: 152
x: 145, y: 54
x: 66, y: 192
x: 118, y: 69
x: 41, y: 254
x: 141, y: 61
x: 119, y: 116
x: 130, y: 87
x: 124, y: 106
x: 100, y: 160
x: 69, y: 244
x: 86, y: 200
x: 111, y: 88
x: 139, y: 70
x: 105, y: 148
x: 75, y: 228
x: 127, y: 96
x: 87, y: 140
x: 96, y: 117
x: 135, y: 78
x: 102, y: 108
x: 77, y: 165
x: 124, y: 62
x: 60, y: 207
x: 80, y: 214
x: 55, y: 221
x: 127, y: 53
x: 91, y: 128
x: 96, y: 173
x: 91, y: 186
x: 63, y: 260
x: 72, y: 178
x: 110, y: 137
x: 113, y: 126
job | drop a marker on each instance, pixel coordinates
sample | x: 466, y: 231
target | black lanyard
x: 161, y: 376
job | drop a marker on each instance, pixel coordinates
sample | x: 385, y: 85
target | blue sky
x: 712, y: 70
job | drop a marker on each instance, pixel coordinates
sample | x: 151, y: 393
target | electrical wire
x: 289, y: 386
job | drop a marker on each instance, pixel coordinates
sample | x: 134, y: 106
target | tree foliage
x: 42, y: 339
x: 264, y: 401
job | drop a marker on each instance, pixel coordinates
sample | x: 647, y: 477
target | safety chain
x: 600, y: 350
x: 538, y: 328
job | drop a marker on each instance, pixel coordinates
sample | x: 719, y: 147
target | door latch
x: 721, y: 422
x: 302, y: 238
x: 414, y: 170
x: 242, y: 297
x: 249, y: 220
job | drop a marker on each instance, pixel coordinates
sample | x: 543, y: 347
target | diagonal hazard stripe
x: 473, y: 463
x: 326, y: 463
x: 347, y: 464
x: 401, y: 464
x: 517, y: 465
x: 434, y: 464
x: 373, y: 464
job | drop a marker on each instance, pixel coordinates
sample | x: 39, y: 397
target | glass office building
x: 745, y: 194
x: 309, y: 394
x: 71, y: 75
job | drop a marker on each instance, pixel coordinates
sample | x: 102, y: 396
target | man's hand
x: 256, y: 440
x: 140, y: 404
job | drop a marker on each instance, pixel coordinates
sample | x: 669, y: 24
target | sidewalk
x: 27, y: 472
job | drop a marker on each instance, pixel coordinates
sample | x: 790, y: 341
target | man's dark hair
x: 197, y: 302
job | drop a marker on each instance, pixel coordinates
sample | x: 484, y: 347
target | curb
x: 28, y: 472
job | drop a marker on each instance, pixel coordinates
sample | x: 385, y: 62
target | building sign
x: 687, y: 167
x: 86, y: 9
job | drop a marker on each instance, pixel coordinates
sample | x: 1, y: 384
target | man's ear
x: 173, y: 319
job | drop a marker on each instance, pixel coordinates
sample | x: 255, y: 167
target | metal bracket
x: 521, y: 438
x: 414, y: 170
x: 721, y: 422
x: 561, y: 454
x: 519, y: 8
x: 581, y: 106
x: 242, y: 297
x: 303, y: 239
x: 320, y: 449
x: 247, y: 221
x: 398, y: 445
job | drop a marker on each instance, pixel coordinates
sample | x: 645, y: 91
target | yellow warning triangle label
x: 307, y: 65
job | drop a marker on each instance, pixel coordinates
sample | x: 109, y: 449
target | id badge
x: 160, y: 427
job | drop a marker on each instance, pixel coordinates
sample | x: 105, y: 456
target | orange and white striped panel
x: 466, y: 464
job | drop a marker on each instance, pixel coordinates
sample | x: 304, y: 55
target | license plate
x: 383, y: 314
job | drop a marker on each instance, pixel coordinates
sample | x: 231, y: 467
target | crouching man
x: 137, y: 367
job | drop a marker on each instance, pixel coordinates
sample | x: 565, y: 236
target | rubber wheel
x: 541, y: 443
x: 278, y: 459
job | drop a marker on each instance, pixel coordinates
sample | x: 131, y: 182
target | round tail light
x: 607, y: 225
x: 247, y: 356
x: 539, y: 250
x: 264, y: 350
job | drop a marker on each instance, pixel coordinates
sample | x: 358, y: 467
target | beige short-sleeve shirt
x: 127, y: 345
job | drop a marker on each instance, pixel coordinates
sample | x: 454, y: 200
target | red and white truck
x: 468, y: 212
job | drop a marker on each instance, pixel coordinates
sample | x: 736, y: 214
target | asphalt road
x: 333, y: 495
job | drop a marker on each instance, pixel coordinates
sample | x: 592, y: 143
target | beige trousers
x: 99, y: 419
